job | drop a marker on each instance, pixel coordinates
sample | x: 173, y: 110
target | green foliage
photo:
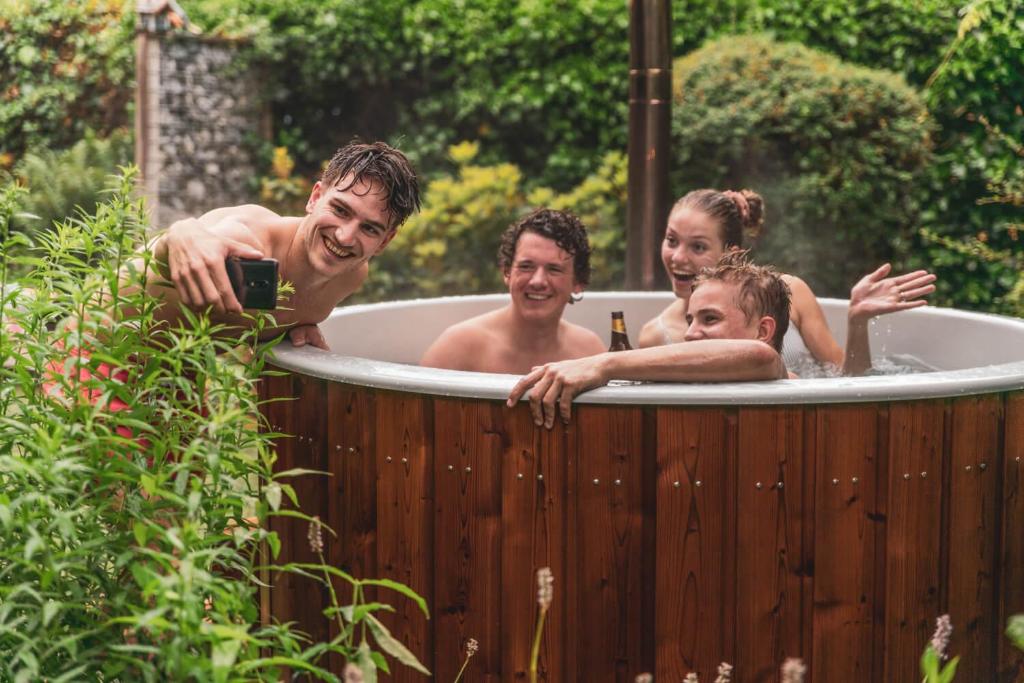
x: 281, y: 191
x: 60, y: 183
x: 1015, y: 631
x: 65, y: 67
x: 451, y: 246
x: 134, y: 477
x: 976, y: 96
x: 836, y: 150
x: 933, y: 669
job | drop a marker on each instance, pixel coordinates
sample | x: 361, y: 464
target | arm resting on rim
x: 554, y: 385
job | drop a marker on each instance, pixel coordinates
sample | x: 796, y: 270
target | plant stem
x: 535, y: 650
x: 458, y: 676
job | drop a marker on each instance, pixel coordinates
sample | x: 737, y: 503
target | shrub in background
x: 837, y: 150
x: 281, y: 191
x: 451, y: 246
x: 65, y: 68
x: 64, y: 183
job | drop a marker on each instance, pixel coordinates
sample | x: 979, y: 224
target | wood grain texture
x: 611, y: 555
x: 469, y: 442
x: 405, y: 501
x: 695, y: 574
x: 769, y: 538
x: 1011, y: 574
x: 916, y: 432
x: 294, y: 597
x: 351, y: 490
x: 533, y: 525
x: 845, y: 543
x: 973, y: 513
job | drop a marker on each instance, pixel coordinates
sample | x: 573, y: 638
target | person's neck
x: 531, y: 335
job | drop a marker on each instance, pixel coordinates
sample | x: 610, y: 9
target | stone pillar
x: 198, y: 117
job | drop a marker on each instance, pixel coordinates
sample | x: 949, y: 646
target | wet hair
x: 761, y: 289
x: 726, y: 209
x: 564, y: 228
x: 377, y: 163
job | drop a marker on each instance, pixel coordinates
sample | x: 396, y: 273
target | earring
x: 575, y: 298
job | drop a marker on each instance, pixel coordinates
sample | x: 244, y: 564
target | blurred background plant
x: 281, y: 191
x: 546, y: 92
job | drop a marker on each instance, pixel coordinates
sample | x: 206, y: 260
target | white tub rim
x: 378, y: 374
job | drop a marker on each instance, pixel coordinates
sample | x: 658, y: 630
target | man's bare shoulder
x: 458, y: 346
x: 582, y: 341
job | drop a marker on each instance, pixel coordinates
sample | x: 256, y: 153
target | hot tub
x: 830, y: 519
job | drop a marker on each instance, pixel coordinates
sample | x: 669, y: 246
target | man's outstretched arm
x: 553, y: 386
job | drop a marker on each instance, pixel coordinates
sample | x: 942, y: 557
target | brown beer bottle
x: 620, y: 340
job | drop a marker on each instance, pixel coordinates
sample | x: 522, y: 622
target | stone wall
x: 198, y: 120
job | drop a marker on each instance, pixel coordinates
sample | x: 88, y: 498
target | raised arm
x: 194, y: 251
x: 554, y: 385
x: 876, y: 295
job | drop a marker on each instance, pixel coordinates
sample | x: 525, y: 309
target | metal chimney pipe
x: 650, y: 102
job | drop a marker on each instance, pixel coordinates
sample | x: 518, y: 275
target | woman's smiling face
x: 692, y: 241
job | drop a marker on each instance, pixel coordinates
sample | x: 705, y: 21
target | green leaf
x: 930, y: 665
x: 399, y: 588
x: 366, y: 663
x: 141, y: 532
x: 274, y: 541
x: 273, y: 496
x: 949, y: 671
x: 223, y: 657
x: 392, y: 646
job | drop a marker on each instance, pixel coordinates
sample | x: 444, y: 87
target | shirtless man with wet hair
x: 367, y: 191
x: 545, y: 258
x: 737, y: 316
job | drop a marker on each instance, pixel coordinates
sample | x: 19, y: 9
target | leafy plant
x: 63, y: 183
x: 837, y: 150
x: 134, y: 473
x: 66, y: 67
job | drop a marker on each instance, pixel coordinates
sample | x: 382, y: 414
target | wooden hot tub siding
x: 836, y: 533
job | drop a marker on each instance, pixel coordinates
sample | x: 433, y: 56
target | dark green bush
x: 837, y: 151
x: 65, y: 67
x: 61, y: 183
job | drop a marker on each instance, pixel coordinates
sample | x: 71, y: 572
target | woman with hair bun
x: 702, y: 226
x: 705, y: 224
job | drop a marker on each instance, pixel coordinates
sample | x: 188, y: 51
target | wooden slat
x: 468, y: 448
x: 405, y: 497
x: 1011, y: 575
x: 610, y: 549
x: 294, y: 597
x: 352, y: 489
x: 973, y: 535
x: 769, y: 538
x: 533, y: 535
x: 844, y: 543
x: 696, y: 524
x: 914, y: 532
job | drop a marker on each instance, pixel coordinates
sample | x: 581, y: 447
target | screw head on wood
x: 906, y: 476
x: 698, y: 483
x: 967, y: 468
x: 676, y: 484
x: 924, y: 475
x: 596, y: 482
x: 835, y: 482
x: 540, y: 477
x: 338, y: 447
x: 519, y: 476
x: 618, y: 482
x: 451, y: 468
x: 982, y: 466
x: 351, y: 449
x: 405, y: 461
x: 778, y: 485
x: 855, y: 480
x: 758, y: 486
x: 387, y: 459
x: 468, y: 469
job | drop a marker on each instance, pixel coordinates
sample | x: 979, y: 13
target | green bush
x: 451, y: 246
x: 135, y: 478
x: 65, y: 183
x: 65, y: 68
x: 836, y: 150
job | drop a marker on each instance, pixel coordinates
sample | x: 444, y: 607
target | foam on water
x: 805, y: 366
